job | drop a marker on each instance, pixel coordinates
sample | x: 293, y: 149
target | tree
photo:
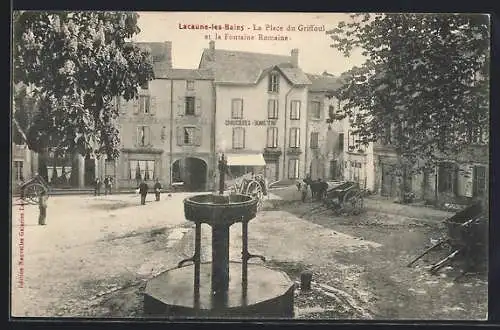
x: 424, y: 85
x: 76, y: 64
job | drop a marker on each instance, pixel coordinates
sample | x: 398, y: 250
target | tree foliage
x: 76, y: 64
x: 424, y: 86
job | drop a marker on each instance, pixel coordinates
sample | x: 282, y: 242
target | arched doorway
x: 192, y: 171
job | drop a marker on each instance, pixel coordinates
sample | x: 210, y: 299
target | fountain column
x: 220, y: 251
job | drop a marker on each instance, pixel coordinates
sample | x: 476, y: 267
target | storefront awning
x: 245, y: 160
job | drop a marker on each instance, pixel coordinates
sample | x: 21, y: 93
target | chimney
x: 167, y: 50
x: 211, y: 47
x: 295, y: 57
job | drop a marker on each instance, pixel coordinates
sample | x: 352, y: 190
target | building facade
x: 333, y: 152
x: 261, y: 112
x: 458, y: 179
x: 166, y: 133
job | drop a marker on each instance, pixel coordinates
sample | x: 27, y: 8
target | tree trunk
x: 74, y: 169
x: 43, y: 158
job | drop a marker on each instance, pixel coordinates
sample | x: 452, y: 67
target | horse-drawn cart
x: 251, y: 185
x: 347, y: 197
x: 33, y: 188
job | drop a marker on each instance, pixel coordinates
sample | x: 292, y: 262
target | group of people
x: 108, y: 185
x: 317, y: 187
x: 144, y: 188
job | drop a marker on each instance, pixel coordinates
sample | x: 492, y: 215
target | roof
x: 324, y: 82
x: 162, y: 55
x: 294, y: 75
x: 240, y: 67
x: 188, y: 74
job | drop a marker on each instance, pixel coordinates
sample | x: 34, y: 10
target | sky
x: 315, y: 53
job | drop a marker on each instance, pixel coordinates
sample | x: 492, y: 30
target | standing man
x: 303, y: 190
x: 97, y: 187
x: 157, y: 189
x: 106, y: 184
x: 143, y: 190
x: 42, y: 206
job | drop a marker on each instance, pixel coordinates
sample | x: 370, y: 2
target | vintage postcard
x: 206, y: 165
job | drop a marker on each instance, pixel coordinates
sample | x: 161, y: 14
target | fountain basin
x: 220, y: 209
x: 269, y: 294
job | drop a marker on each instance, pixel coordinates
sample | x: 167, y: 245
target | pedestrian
x: 97, y: 186
x: 303, y: 191
x: 42, y: 205
x: 106, y: 182
x: 110, y: 183
x: 157, y: 189
x: 143, y: 190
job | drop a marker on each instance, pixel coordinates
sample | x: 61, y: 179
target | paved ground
x: 94, y: 255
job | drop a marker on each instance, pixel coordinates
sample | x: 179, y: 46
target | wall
x: 255, y: 108
x: 318, y: 160
x: 166, y: 117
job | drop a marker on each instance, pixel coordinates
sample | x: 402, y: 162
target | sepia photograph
x: 244, y: 165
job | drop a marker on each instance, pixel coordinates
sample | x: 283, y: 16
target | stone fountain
x: 220, y: 288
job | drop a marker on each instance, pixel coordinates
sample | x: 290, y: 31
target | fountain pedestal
x: 220, y: 288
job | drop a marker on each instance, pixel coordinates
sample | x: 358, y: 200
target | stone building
x: 333, y: 152
x: 167, y: 132
x: 458, y: 178
x: 261, y: 117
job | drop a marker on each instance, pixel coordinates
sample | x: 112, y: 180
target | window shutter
x: 137, y: 135
x: 152, y: 105
x: 244, y: 135
x: 136, y: 105
x: 197, y: 136
x: 298, y: 103
x: 180, y: 135
x: 275, y: 137
x: 197, y: 108
x: 147, y: 138
x: 270, y: 109
x: 181, y: 103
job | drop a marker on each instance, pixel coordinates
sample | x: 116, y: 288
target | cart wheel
x: 348, y: 202
x: 254, y: 189
x: 32, y: 193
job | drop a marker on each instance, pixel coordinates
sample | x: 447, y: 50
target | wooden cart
x: 32, y: 189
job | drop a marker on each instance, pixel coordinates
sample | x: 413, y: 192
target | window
x: 315, y: 110
x: 274, y: 82
x: 272, y: 109
x: 331, y: 111
x: 314, y: 140
x: 237, y: 109
x: 295, y: 110
x: 144, y: 104
x: 351, y: 140
x: 341, y: 141
x: 142, y: 170
x: 293, y: 168
x: 189, y: 107
x: 188, y: 136
x: 479, y: 181
x: 294, y: 137
x: 190, y: 85
x: 143, y: 136
x: 238, y: 138
x: 446, y: 177
x: 18, y: 170
x: 272, y: 137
